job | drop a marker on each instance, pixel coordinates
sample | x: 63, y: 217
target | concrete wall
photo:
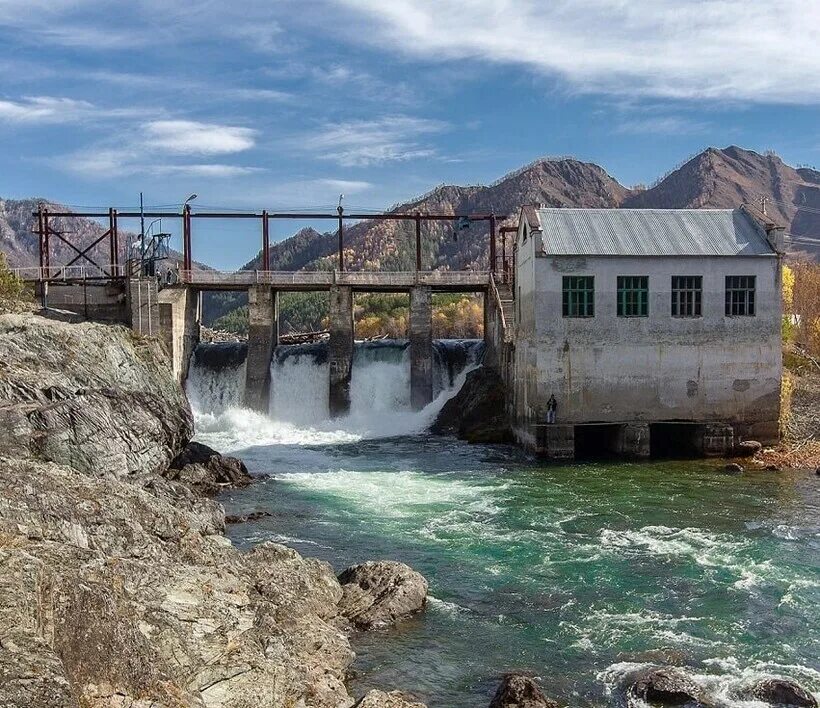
x: 179, y: 326
x: 656, y: 368
x: 103, y: 302
x: 143, y: 304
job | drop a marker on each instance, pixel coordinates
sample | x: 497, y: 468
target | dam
x: 638, y: 332
x: 380, y: 386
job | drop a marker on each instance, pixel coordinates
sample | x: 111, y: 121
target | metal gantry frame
x: 45, y: 231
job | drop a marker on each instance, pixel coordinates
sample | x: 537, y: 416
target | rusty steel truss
x: 113, y: 268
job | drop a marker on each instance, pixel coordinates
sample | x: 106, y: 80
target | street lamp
x: 185, y: 206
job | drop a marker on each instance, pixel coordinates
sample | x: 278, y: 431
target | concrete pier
x: 633, y: 441
x: 179, y: 327
x: 340, y: 348
x: 263, y: 336
x: 421, y: 346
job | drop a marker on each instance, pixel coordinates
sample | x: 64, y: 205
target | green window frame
x: 740, y: 295
x: 578, y: 293
x: 687, y: 296
x: 633, y: 296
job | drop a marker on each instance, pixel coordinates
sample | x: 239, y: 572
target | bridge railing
x: 71, y: 273
x: 335, y: 277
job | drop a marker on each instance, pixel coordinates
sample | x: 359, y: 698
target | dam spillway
x: 299, y: 378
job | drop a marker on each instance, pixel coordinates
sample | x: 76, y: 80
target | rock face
x: 477, y: 412
x: 117, y: 586
x: 394, y: 699
x: 378, y: 593
x: 207, y: 470
x: 783, y: 692
x: 519, y: 691
x: 95, y: 398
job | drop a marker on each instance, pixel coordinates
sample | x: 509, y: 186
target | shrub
x: 14, y: 293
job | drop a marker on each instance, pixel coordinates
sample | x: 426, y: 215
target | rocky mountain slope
x: 726, y: 178
x: 719, y: 178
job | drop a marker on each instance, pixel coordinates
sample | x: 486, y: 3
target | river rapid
x: 577, y: 573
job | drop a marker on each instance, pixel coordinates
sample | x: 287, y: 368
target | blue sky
x: 283, y: 105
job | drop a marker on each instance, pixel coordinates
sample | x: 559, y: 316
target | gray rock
x: 52, y: 313
x: 94, y: 397
x: 378, y: 593
x: 782, y: 692
x: 666, y: 687
x: 520, y: 691
x: 117, y: 586
x: 747, y: 448
x: 733, y: 468
x: 393, y: 699
x: 208, y: 471
x: 477, y: 412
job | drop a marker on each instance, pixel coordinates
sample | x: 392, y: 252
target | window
x: 633, y: 296
x: 740, y: 295
x: 687, y: 295
x: 579, y: 296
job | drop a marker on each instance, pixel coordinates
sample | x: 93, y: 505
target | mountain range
x: 718, y: 178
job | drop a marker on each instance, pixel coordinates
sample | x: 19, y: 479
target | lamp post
x: 186, y: 232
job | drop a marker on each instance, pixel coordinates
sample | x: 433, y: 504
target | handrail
x: 70, y: 273
x: 499, y: 306
x: 336, y: 277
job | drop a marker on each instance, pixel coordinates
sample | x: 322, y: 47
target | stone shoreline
x: 119, y: 587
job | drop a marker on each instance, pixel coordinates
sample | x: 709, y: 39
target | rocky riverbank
x: 118, y: 587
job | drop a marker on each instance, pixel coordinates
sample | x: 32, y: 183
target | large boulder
x: 666, y: 687
x: 520, y: 691
x: 382, y: 699
x: 477, y: 413
x: 782, y: 692
x: 378, y: 593
x: 747, y: 448
x: 95, y: 397
x: 208, y: 471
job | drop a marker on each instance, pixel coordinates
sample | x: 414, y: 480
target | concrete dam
x: 380, y: 383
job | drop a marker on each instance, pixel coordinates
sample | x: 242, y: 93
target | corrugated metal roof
x: 652, y: 232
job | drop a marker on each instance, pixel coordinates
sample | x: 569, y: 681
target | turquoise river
x: 575, y: 573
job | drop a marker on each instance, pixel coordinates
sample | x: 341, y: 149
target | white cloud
x: 193, y: 138
x: 102, y: 162
x: 662, y: 125
x: 721, y: 49
x: 345, y: 186
x: 44, y: 109
x: 368, y: 142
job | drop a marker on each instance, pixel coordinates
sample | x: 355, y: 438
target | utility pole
x: 340, y: 210
x: 142, y: 237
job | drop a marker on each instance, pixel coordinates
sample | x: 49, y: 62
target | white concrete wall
x: 656, y: 368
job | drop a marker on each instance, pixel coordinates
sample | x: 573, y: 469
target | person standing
x: 552, y: 407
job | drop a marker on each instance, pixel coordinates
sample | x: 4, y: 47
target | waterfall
x: 379, y: 388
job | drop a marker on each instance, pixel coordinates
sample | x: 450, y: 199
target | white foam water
x: 299, y: 412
